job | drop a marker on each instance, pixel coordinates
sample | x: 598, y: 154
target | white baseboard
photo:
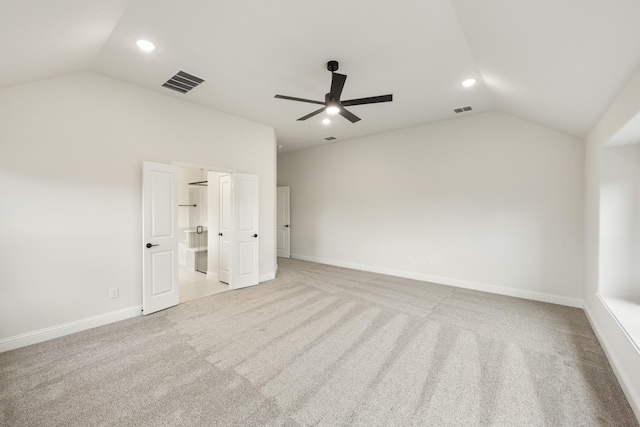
x: 46, y: 334
x: 614, y: 361
x: 466, y: 284
x: 267, y: 276
x: 213, y: 276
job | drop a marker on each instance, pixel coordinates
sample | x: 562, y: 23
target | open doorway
x: 198, y: 223
x: 238, y: 232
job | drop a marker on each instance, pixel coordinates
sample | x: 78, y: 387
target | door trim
x: 203, y: 167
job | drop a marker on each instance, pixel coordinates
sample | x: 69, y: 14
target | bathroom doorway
x: 165, y: 232
x: 198, y: 218
x: 197, y: 231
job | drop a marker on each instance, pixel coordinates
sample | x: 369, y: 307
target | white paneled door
x: 247, y: 236
x: 160, y: 237
x: 283, y: 230
x: 225, y: 234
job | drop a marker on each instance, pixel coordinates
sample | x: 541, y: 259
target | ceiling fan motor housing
x: 330, y: 100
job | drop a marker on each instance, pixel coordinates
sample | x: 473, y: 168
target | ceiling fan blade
x: 370, y: 100
x: 318, y: 111
x: 291, y: 98
x: 337, y: 84
x: 349, y: 115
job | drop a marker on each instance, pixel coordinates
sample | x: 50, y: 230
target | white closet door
x: 247, y: 237
x: 226, y: 232
x: 283, y: 226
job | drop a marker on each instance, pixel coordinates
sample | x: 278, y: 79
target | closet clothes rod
x: 189, y: 205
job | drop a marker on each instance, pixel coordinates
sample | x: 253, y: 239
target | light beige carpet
x: 327, y: 346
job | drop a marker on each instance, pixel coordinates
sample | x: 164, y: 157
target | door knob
x: 219, y: 234
x: 287, y: 225
x: 149, y: 245
x: 255, y: 235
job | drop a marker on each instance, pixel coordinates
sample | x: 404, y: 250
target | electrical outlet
x: 429, y: 263
x: 114, y: 293
x: 408, y: 260
x: 295, y: 245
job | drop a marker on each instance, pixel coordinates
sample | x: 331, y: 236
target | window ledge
x: 627, y: 313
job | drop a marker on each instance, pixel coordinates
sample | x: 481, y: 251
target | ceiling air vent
x: 462, y: 110
x: 182, y: 82
x: 331, y: 138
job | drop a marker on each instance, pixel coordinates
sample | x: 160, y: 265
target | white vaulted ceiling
x: 42, y: 38
x: 557, y: 63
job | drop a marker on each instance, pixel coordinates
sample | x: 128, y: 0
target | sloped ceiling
x: 42, y: 38
x: 557, y: 63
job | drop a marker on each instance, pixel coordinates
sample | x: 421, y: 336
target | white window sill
x: 627, y: 313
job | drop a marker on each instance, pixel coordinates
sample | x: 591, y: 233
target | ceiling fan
x: 332, y: 103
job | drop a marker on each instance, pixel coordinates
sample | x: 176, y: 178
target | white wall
x: 623, y: 355
x: 488, y: 201
x: 71, y: 153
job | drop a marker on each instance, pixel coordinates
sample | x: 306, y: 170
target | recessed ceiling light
x: 469, y: 82
x: 145, y: 45
x: 326, y: 121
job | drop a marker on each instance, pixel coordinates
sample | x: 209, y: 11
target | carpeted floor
x: 327, y: 346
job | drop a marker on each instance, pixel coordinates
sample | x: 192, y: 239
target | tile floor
x: 194, y: 285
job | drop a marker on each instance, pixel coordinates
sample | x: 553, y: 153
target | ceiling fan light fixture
x: 332, y: 109
x: 468, y: 82
x: 145, y: 45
